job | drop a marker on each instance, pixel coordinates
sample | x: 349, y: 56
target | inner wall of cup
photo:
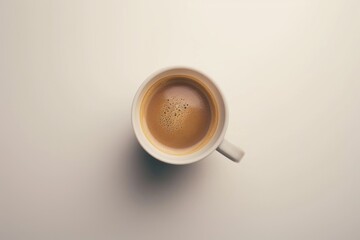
x: 217, y: 136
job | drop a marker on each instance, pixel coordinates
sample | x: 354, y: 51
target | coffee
x: 178, y: 114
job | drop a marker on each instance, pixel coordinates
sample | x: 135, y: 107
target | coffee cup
x: 179, y: 116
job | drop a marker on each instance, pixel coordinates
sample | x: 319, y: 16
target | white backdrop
x: 70, y: 167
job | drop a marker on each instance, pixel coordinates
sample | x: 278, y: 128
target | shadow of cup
x: 152, y: 180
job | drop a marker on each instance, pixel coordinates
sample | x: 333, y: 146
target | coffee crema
x: 178, y: 114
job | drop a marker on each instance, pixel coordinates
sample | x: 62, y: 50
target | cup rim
x: 155, y: 152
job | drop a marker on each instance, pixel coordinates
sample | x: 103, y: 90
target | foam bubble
x: 174, y: 111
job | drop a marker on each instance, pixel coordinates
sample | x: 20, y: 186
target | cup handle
x: 230, y: 151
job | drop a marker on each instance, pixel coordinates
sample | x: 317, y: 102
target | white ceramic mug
x: 217, y: 141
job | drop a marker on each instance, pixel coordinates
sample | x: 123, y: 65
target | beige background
x: 70, y: 167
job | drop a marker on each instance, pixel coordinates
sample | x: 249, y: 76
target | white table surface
x: 70, y: 167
